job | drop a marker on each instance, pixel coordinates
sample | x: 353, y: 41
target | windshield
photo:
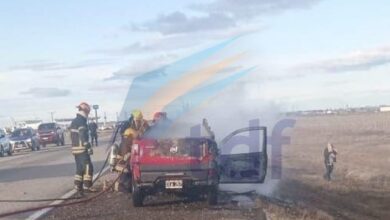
x: 185, y: 147
x: 49, y: 126
x: 21, y: 133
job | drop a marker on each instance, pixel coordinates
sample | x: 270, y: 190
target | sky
x: 306, y: 54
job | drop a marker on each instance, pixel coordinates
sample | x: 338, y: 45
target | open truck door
x: 244, y: 167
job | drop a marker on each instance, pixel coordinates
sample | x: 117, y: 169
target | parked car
x: 24, y: 138
x: 51, y: 133
x: 5, y: 146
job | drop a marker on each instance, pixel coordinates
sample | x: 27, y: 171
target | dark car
x: 24, y: 138
x: 50, y: 133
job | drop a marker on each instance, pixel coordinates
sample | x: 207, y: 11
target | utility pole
x: 96, y: 107
x: 52, y: 116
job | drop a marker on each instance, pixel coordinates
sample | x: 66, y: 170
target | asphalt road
x: 47, y: 173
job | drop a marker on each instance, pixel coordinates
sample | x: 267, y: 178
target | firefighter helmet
x: 130, y: 133
x: 137, y: 114
x: 84, y: 107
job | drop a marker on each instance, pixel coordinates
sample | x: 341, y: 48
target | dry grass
x: 361, y: 185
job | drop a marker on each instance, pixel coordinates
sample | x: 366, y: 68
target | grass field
x: 361, y: 185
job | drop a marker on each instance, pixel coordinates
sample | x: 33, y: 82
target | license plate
x: 45, y: 138
x: 174, y: 184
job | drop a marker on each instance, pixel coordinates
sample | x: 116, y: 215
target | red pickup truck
x: 191, y: 167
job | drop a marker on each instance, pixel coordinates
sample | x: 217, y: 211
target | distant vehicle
x: 5, y: 146
x: 24, y: 138
x: 105, y: 128
x: 51, y: 133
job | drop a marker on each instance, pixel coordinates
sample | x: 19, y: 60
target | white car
x: 5, y: 146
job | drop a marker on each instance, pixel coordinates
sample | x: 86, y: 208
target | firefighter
x: 139, y: 123
x: 122, y: 166
x: 135, y: 129
x: 329, y: 160
x: 160, y: 126
x: 81, y: 149
x: 93, y: 132
x: 159, y: 116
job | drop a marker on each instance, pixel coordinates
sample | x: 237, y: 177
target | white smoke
x: 232, y: 109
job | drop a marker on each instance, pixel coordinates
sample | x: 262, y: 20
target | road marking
x: 28, y: 153
x: 40, y: 213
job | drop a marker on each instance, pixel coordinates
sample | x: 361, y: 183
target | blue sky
x: 308, y: 54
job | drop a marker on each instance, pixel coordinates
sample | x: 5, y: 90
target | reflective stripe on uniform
x: 78, y: 150
x: 78, y: 178
x: 87, y: 177
x: 86, y: 169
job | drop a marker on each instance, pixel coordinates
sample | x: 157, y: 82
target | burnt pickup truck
x: 192, y: 166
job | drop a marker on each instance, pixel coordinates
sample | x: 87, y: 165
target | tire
x: 212, y: 196
x: 44, y: 145
x: 137, y: 196
x: 1, y: 151
x: 194, y: 196
x: 38, y: 146
x: 33, y: 147
x: 130, y: 187
x: 62, y: 141
x: 9, y: 150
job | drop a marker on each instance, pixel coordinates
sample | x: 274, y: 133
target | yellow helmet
x: 130, y: 133
x: 137, y: 115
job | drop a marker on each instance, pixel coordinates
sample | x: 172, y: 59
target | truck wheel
x: 212, y: 196
x: 9, y: 150
x: 37, y: 146
x: 1, y: 151
x: 137, y: 196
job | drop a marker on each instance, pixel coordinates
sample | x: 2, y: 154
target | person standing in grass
x: 330, y: 154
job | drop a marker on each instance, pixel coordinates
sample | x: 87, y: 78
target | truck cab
x: 186, y: 166
x: 192, y: 166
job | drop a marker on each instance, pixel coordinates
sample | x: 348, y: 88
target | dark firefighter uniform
x: 81, y: 149
x: 93, y: 132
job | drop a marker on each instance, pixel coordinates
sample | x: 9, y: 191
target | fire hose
x: 62, y: 204
x: 55, y: 199
x: 112, y: 140
x: 80, y: 200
